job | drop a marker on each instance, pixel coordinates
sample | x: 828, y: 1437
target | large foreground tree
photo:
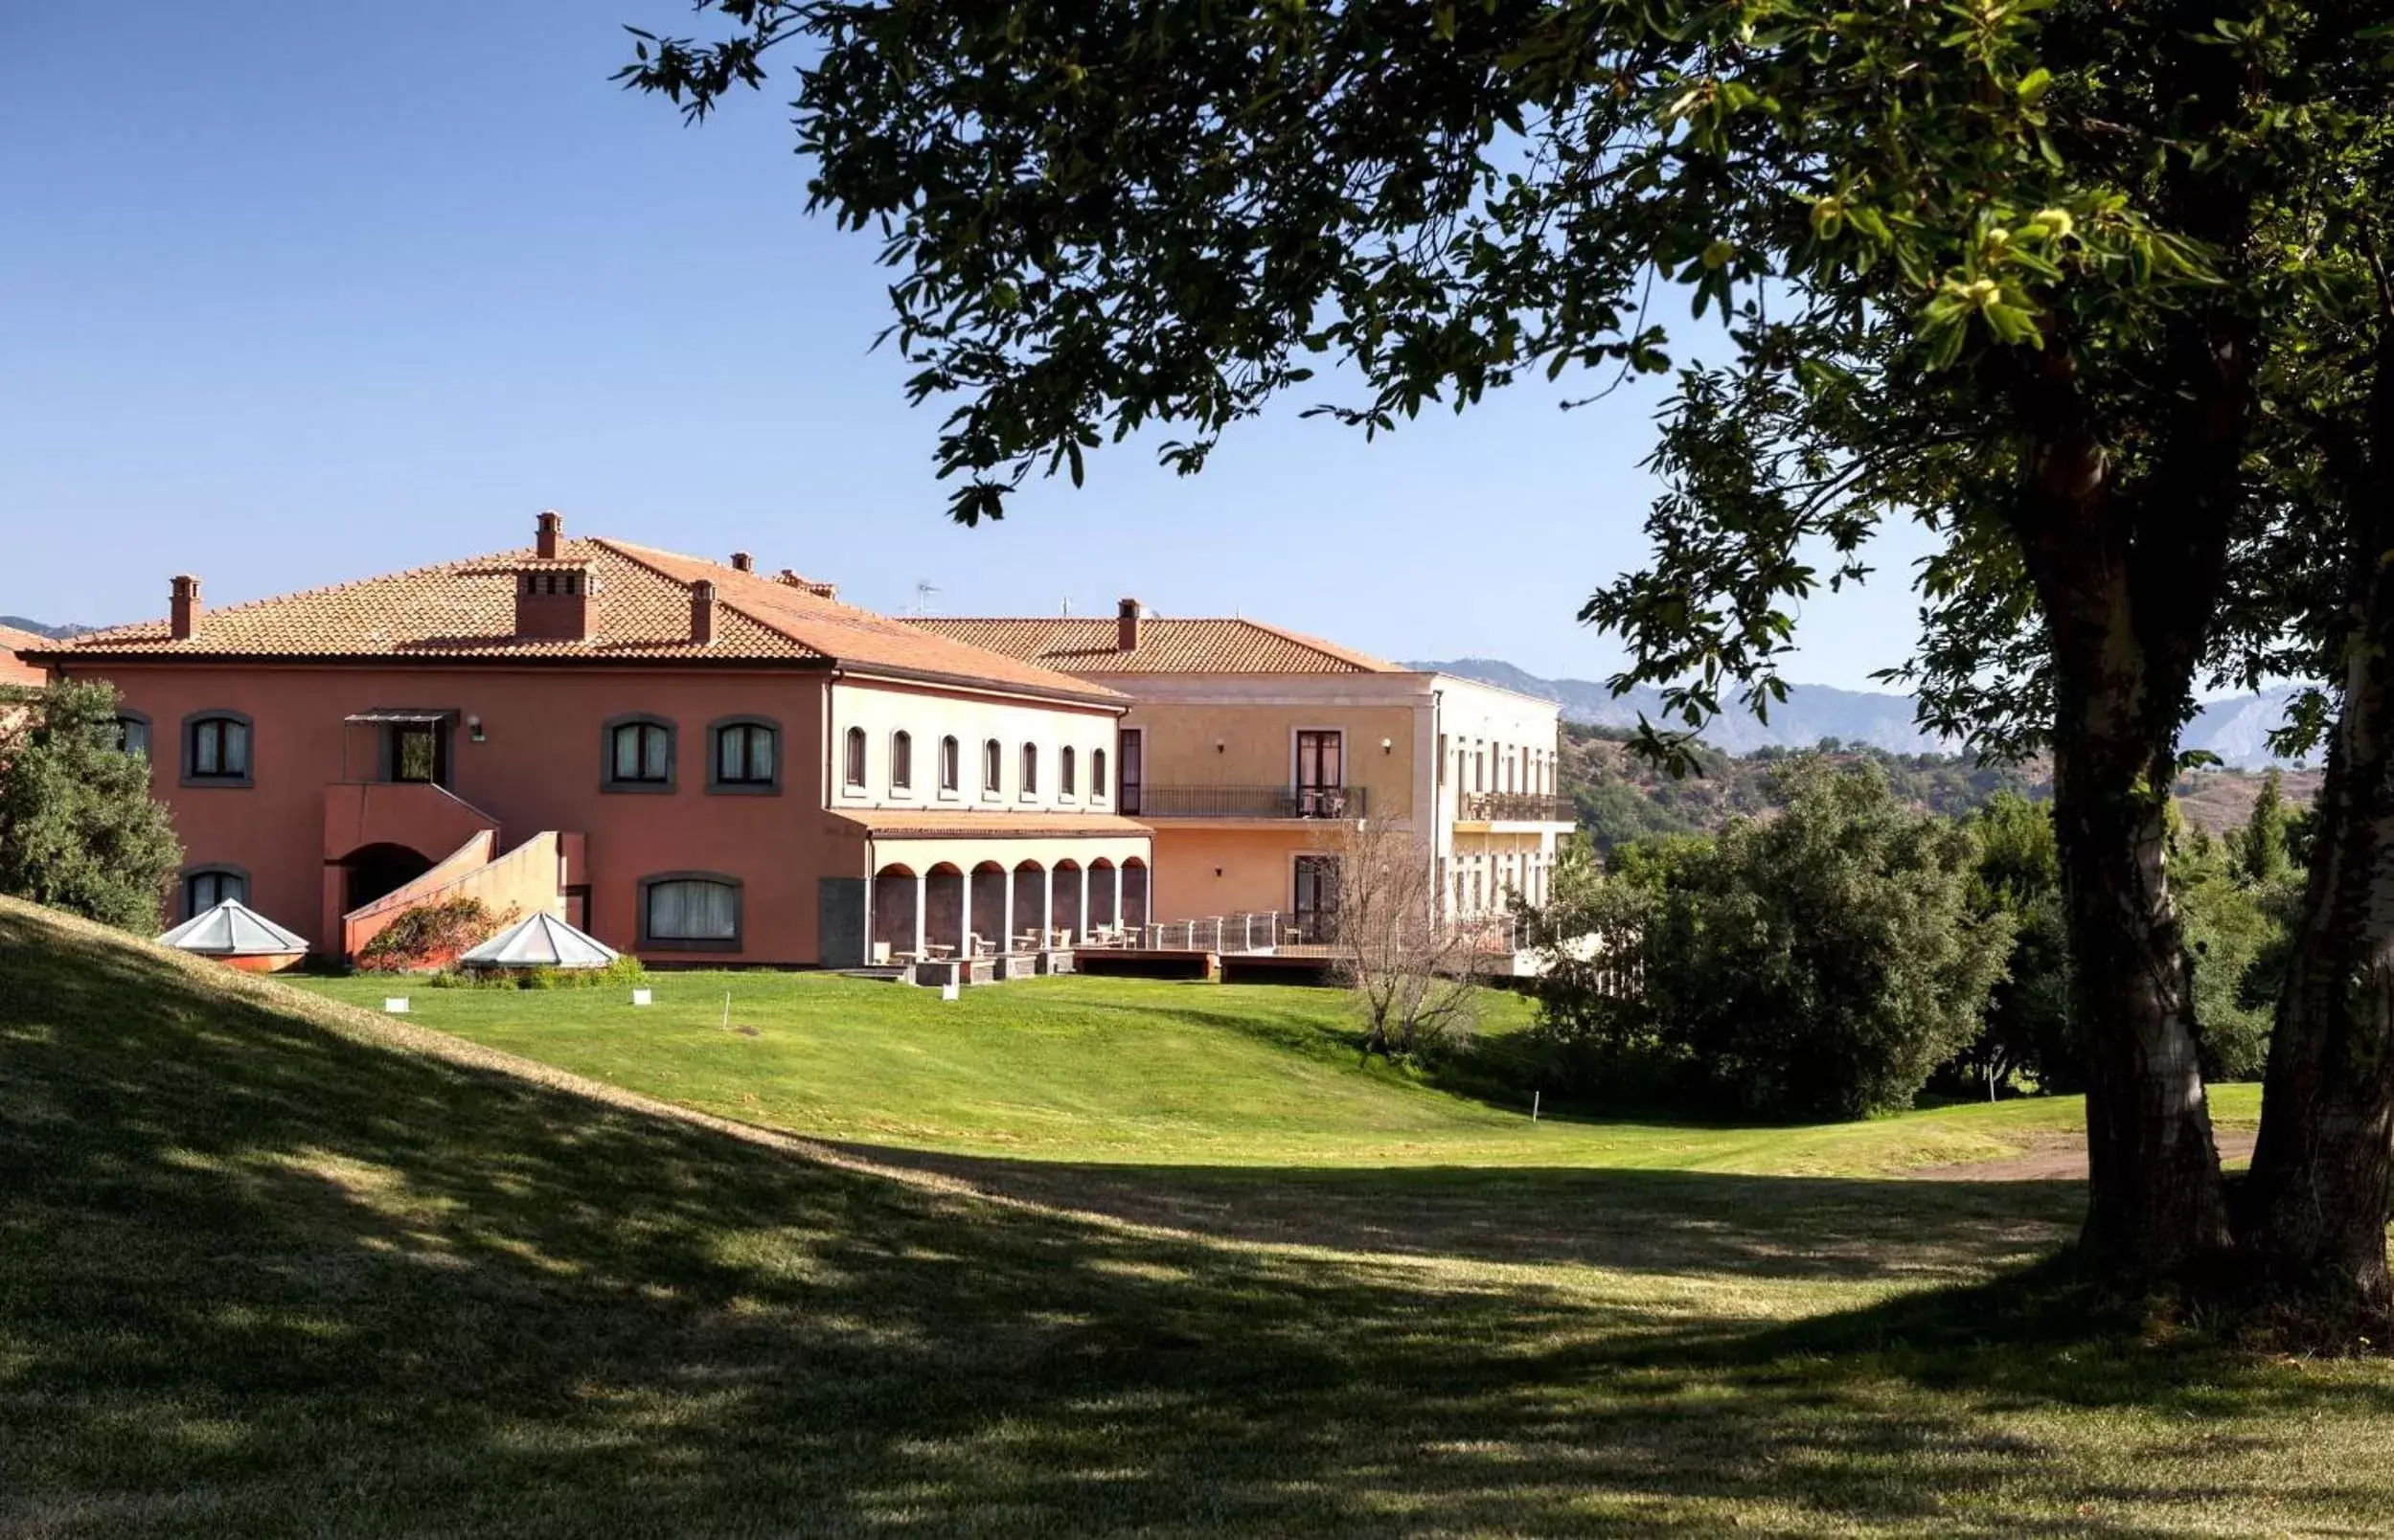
x: 2053, y: 277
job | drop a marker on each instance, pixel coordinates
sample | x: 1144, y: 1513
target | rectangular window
x: 640, y: 753
x: 693, y: 909
x: 203, y: 891
x: 416, y: 752
x: 1316, y: 897
x: 219, y: 748
x: 1321, y: 773
x: 743, y: 755
x: 1132, y: 770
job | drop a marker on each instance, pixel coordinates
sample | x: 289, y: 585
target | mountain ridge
x: 2235, y: 730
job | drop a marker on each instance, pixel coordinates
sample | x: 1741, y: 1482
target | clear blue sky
x: 297, y: 292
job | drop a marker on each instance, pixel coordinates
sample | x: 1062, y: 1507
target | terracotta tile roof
x: 862, y: 639
x: 1202, y: 646
x: 932, y: 823
x: 640, y: 613
x: 13, y: 642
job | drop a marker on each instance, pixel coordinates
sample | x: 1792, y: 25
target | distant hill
x: 60, y: 632
x: 2235, y: 730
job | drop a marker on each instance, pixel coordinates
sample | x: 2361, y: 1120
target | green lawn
x: 272, y: 1266
x: 1119, y: 1069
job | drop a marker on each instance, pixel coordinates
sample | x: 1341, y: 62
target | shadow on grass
x: 257, y: 1278
x: 1658, y: 1221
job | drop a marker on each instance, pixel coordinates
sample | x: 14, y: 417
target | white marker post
x: 1534, y: 1097
x: 394, y: 1005
x: 641, y: 997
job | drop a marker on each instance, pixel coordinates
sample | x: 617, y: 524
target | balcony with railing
x: 1514, y: 807
x: 1246, y: 802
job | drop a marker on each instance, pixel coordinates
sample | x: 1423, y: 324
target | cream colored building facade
x: 1245, y: 747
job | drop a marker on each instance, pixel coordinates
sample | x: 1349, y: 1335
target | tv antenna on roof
x: 923, y: 589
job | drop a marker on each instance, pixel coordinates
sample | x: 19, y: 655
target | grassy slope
x: 271, y: 1267
x: 1128, y: 1071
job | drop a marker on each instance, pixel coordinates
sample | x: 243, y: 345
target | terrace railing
x: 1519, y: 806
x: 1251, y: 801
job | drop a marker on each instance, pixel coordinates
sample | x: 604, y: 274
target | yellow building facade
x: 1246, y: 747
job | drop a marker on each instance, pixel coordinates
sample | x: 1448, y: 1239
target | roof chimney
x: 1127, y: 626
x: 552, y: 527
x: 791, y: 580
x: 702, y: 612
x: 742, y: 561
x: 552, y: 602
x: 186, y: 607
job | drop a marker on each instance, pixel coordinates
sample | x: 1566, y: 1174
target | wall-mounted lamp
x: 1387, y: 745
x: 1218, y: 872
x: 473, y: 728
x: 1219, y: 745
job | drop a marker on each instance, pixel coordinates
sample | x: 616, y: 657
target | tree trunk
x: 2316, y: 1222
x: 2317, y: 1209
x: 2156, y: 1203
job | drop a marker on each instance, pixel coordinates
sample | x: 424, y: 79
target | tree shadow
x: 259, y: 1277
x: 1624, y: 1219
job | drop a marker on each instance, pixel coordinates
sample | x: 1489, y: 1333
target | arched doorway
x: 1067, y: 915
x: 944, y: 909
x: 373, y: 872
x: 1030, y: 906
x: 1134, y: 895
x: 990, y: 890
x: 1103, y: 883
x: 893, y: 912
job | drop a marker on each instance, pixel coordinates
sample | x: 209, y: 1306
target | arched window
x: 747, y: 757
x: 1064, y: 769
x: 216, y: 749
x: 639, y: 754
x: 901, y: 761
x: 206, y: 887
x: 952, y: 763
x: 853, y: 775
x: 1097, y: 775
x: 689, y: 912
x: 993, y: 767
x: 1030, y: 770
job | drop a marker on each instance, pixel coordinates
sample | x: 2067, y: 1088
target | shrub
x: 624, y: 970
x: 78, y: 830
x: 427, y: 934
x: 1820, y: 964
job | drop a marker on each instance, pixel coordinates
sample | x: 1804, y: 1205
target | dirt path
x: 2061, y: 1160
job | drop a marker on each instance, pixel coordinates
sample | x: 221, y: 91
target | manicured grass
x: 269, y: 1266
x: 1108, y: 1070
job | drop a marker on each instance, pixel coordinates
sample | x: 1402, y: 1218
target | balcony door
x: 1131, y: 777
x: 1317, y: 896
x: 1321, y: 773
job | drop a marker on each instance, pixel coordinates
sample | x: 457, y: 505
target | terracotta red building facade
x: 694, y: 760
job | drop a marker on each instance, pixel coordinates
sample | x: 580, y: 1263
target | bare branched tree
x: 1415, y: 976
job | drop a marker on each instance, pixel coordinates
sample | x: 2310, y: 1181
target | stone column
x: 1118, y: 925
x: 1081, y: 915
x: 922, y: 892
x: 963, y: 926
x: 1006, y: 937
x: 1047, y: 905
